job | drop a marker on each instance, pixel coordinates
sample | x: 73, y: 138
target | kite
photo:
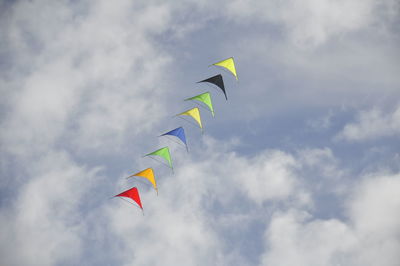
x: 133, y: 194
x: 195, y: 114
x: 164, y: 153
x: 218, y: 81
x: 149, y: 175
x: 205, y: 98
x: 228, y: 64
x: 179, y: 133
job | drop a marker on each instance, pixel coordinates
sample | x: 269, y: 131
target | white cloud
x: 375, y: 216
x: 90, y: 73
x: 321, y: 123
x: 372, y: 124
x: 267, y: 176
x: 294, y: 240
x: 312, y: 22
x: 321, y: 161
x: 44, y: 222
x: 369, y: 237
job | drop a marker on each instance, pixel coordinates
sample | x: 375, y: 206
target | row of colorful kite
x: 205, y: 98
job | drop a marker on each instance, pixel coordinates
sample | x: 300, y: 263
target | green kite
x: 164, y: 153
x: 205, y: 98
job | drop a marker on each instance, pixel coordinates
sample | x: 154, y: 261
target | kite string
x: 193, y: 124
x: 160, y: 162
x: 130, y: 202
x: 226, y: 71
x: 215, y: 87
x: 144, y: 183
x: 139, y: 179
x: 205, y: 107
x: 171, y: 139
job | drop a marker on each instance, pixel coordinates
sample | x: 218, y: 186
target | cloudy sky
x: 301, y: 166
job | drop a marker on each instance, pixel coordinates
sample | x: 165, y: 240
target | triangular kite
x: 164, y: 153
x: 228, y: 64
x: 195, y: 114
x: 179, y: 133
x: 149, y: 175
x: 205, y: 98
x: 218, y: 81
x: 133, y: 194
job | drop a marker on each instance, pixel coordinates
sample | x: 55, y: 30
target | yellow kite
x: 195, y: 113
x: 149, y: 175
x: 228, y: 64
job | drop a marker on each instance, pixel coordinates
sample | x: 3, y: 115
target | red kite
x: 133, y: 194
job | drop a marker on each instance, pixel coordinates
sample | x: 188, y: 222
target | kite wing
x: 195, y: 114
x: 205, y: 98
x: 228, y: 64
x: 218, y: 81
x: 164, y: 153
x: 148, y: 174
x: 177, y: 132
x: 133, y: 194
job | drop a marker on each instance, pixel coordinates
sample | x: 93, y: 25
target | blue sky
x: 299, y: 167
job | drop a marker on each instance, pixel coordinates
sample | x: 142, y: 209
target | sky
x: 300, y: 166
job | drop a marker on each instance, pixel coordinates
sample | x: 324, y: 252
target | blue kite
x: 179, y: 133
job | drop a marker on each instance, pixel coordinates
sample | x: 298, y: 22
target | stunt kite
x: 218, y: 81
x: 228, y: 64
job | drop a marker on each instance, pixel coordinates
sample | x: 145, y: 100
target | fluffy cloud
x: 45, y: 221
x: 370, y: 236
x: 88, y: 75
x: 294, y: 240
x: 372, y: 124
x: 313, y: 22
